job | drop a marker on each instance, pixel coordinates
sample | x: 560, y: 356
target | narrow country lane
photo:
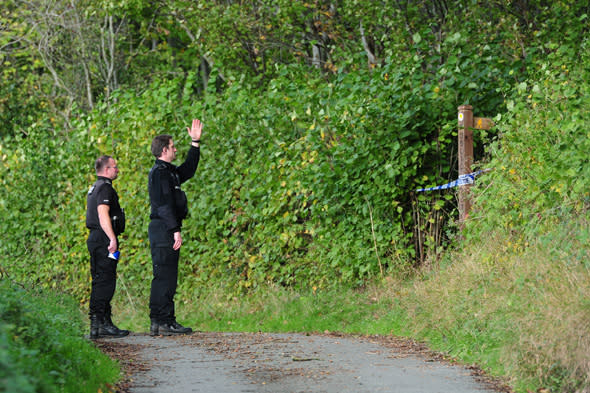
x: 287, y: 363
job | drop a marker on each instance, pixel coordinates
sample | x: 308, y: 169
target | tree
x: 79, y: 46
x: 20, y: 73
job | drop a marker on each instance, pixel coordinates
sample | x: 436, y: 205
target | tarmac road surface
x: 287, y: 363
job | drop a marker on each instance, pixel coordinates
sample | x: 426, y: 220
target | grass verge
x: 42, y: 345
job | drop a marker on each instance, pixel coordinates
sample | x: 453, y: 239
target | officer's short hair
x: 159, y: 143
x: 101, y: 163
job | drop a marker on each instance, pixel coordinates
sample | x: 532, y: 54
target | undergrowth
x: 42, y: 347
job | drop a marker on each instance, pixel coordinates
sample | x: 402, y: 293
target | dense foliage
x: 339, y: 145
x: 541, y: 157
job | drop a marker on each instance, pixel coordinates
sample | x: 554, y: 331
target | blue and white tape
x: 464, y: 179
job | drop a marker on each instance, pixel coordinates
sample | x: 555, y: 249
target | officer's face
x: 169, y: 152
x: 112, y: 170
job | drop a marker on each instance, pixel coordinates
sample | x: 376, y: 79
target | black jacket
x: 103, y: 193
x: 168, y: 201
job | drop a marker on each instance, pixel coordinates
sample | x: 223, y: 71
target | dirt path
x: 287, y: 363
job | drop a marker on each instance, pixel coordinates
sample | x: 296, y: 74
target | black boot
x: 94, y: 326
x: 154, y: 327
x: 108, y: 329
x: 170, y: 328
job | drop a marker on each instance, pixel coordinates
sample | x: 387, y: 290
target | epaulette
x: 95, y: 185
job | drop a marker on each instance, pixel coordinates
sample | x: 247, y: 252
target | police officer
x: 106, y: 220
x: 168, y: 209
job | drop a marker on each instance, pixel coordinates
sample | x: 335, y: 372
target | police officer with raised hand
x: 168, y: 209
x: 106, y: 220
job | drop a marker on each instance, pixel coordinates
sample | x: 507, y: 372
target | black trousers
x: 165, y: 272
x: 103, y: 271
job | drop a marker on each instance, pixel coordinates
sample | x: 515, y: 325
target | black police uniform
x: 168, y: 209
x: 102, y: 268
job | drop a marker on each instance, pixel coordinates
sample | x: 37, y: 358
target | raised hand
x: 195, y: 130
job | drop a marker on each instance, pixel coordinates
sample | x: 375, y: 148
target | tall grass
x: 518, y: 310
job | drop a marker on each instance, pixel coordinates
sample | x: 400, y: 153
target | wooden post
x: 465, y: 157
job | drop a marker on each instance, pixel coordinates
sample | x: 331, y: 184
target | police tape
x: 467, y: 178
